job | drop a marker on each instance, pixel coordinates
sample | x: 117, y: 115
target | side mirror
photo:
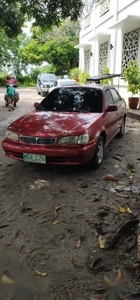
x: 36, y: 104
x: 112, y: 108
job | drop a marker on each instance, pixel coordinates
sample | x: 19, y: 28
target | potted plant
x: 132, y: 76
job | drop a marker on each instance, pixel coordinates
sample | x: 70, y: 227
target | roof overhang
x: 83, y: 45
x: 131, y: 21
x: 100, y: 36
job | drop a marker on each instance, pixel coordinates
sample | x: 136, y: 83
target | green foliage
x: 132, y: 76
x: 61, y: 54
x: 2, y: 80
x: 45, y: 13
x: 66, y: 29
x: 75, y: 73
x: 79, y: 75
x: 83, y: 77
x: 106, y: 71
x: 10, y: 57
x: 48, y: 69
x: 56, y: 47
x: 31, y: 53
x: 11, y: 16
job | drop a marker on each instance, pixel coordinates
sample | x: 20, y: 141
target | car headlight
x: 70, y: 140
x: 11, y: 135
x: 83, y: 139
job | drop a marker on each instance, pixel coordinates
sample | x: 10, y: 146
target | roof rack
x: 102, y: 77
x: 97, y: 78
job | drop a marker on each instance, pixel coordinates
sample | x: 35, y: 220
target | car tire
x: 122, y: 129
x: 97, y: 159
x: 43, y: 94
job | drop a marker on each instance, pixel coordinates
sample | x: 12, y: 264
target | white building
x: 110, y: 37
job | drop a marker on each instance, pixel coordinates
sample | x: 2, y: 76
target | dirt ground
x: 51, y: 219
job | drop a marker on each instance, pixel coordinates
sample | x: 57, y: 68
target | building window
x: 104, y: 7
x: 87, y: 61
x: 103, y: 57
x: 130, y: 47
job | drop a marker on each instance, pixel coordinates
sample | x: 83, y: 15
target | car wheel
x: 43, y: 94
x: 122, y: 129
x: 97, y: 159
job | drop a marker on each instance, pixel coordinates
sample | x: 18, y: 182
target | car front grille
x: 37, y: 141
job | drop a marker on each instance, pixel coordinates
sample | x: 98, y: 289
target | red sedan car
x: 72, y: 125
x: 11, y: 79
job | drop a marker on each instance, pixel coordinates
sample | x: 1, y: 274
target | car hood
x: 54, y: 124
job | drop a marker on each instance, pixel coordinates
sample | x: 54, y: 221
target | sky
x: 27, y: 27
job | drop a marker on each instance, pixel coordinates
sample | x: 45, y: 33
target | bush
x: 75, y: 73
x: 2, y: 81
x: 83, y: 77
x: 106, y: 71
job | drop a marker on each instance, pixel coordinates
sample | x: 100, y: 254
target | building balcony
x: 95, y: 16
x: 104, y: 7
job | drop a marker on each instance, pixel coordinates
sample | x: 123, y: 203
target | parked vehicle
x: 63, y: 82
x: 11, y: 79
x: 44, y: 82
x: 71, y: 126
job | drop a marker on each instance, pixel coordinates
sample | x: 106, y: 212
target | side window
x: 108, y: 98
x: 115, y: 95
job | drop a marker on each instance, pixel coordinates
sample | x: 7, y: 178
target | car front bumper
x: 60, y: 155
x: 45, y: 89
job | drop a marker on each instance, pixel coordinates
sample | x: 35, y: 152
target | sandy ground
x: 51, y: 219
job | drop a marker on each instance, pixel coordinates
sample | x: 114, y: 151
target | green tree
x: 56, y: 47
x: 44, y: 13
x: 10, y: 56
x: 11, y: 17
x: 61, y: 54
x: 31, y: 53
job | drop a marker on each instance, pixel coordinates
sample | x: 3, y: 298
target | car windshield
x: 48, y: 78
x: 73, y: 99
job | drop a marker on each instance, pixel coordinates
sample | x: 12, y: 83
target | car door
x: 110, y: 117
x: 119, y: 102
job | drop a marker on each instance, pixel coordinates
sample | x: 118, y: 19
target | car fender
x: 100, y: 131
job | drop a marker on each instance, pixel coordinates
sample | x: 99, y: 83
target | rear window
x: 73, y: 99
x: 10, y: 77
x: 48, y: 77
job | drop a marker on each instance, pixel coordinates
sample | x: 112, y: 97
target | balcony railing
x: 86, y: 22
x: 104, y: 7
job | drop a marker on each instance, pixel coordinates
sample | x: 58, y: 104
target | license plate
x: 34, y: 158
